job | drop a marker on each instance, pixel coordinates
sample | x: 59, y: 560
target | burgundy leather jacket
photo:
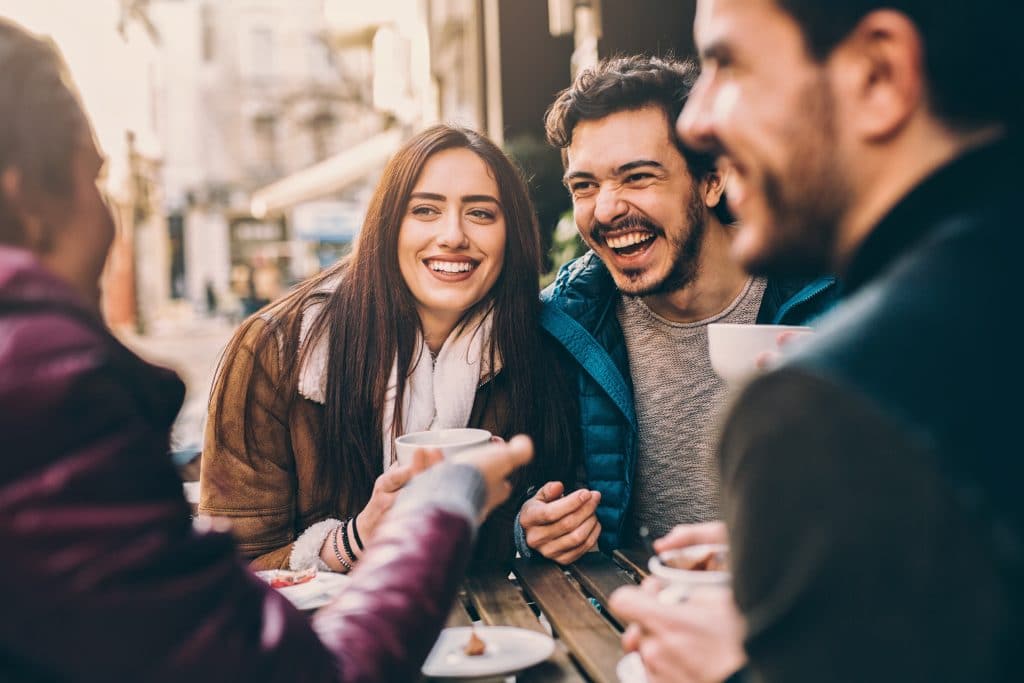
x: 103, y: 577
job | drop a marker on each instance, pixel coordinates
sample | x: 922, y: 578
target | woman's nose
x: 453, y: 233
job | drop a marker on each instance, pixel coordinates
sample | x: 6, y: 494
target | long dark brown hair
x: 369, y: 318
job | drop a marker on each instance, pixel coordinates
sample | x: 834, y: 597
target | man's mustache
x: 602, y: 229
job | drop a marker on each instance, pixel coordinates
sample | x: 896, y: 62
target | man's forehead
x: 601, y: 145
x: 718, y: 20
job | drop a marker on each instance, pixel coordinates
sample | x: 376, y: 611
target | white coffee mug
x: 679, y: 583
x: 734, y: 347
x: 448, y: 441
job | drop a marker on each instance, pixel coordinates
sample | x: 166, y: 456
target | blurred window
x: 209, y: 36
x: 261, y: 53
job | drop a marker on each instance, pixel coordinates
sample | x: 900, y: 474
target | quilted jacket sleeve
x: 110, y: 581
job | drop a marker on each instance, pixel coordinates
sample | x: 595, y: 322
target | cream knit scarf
x: 438, y: 394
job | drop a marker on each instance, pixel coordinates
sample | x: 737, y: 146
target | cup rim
x: 693, y: 576
x: 780, y: 328
x: 473, y: 435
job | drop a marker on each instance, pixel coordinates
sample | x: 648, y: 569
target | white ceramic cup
x: 448, y: 441
x: 734, y: 348
x: 680, y: 583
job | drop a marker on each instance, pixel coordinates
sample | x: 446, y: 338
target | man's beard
x: 685, y: 250
x: 806, y: 200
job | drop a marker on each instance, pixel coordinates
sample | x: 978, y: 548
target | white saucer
x: 317, y: 592
x: 508, y: 650
x: 630, y: 669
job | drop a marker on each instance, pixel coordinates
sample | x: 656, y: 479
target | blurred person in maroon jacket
x: 104, y: 577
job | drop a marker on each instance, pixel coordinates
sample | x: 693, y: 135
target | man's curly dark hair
x: 625, y: 84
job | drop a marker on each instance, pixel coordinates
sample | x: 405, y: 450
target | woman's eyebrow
x: 471, y: 198
x: 428, y: 195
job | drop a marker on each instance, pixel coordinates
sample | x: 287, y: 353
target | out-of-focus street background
x: 244, y: 137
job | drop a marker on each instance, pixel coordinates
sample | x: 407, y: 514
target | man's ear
x: 713, y: 185
x: 879, y: 69
x: 33, y: 231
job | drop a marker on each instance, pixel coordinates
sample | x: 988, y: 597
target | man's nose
x: 609, y: 205
x: 695, y: 125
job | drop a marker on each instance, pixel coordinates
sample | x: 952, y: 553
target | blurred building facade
x: 253, y: 91
x: 277, y: 116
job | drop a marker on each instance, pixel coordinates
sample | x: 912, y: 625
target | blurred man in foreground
x: 871, y: 483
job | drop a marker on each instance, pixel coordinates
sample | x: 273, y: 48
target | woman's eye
x: 482, y: 214
x: 424, y: 211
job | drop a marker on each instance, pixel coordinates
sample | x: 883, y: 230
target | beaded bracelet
x: 337, y: 553
x: 345, y: 542
x: 355, y: 533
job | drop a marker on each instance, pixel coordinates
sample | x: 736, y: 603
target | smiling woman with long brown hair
x: 441, y: 290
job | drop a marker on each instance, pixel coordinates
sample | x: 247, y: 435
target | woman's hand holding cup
x: 387, y: 486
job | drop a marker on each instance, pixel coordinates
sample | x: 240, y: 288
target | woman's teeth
x: 629, y: 239
x: 451, y: 266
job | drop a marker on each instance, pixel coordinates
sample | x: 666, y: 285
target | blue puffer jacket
x: 579, y: 311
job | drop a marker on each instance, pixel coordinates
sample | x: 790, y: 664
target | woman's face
x: 451, y: 244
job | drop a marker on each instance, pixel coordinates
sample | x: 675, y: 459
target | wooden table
x: 573, y: 600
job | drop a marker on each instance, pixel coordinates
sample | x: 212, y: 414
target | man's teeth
x: 451, y: 266
x: 628, y: 240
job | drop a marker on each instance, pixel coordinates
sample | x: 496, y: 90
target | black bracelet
x: 355, y: 532
x: 344, y: 541
x: 337, y: 553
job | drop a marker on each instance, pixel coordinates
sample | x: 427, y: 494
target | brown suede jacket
x: 267, y: 488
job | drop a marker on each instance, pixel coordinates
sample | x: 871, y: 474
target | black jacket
x: 872, y: 483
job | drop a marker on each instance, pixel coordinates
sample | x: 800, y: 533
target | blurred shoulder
x: 37, y: 347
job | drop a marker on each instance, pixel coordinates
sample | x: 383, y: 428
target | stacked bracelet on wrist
x: 345, y: 542
x: 347, y: 566
x: 355, y: 533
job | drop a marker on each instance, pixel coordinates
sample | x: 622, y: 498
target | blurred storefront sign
x: 327, y: 221
x: 328, y: 227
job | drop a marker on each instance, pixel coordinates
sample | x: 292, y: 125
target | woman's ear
x: 714, y: 186
x: 32, y: 228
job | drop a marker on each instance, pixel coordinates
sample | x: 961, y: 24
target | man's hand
x: 561, y: 527
x: 695, y: 641
x: 766, y: 359
x: 683, y: 535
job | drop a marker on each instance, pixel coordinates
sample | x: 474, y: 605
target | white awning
x: 328, y: 176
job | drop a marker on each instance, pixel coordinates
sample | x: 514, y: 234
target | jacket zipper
x: 803, y: 297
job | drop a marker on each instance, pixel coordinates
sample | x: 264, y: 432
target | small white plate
x: 317, y: 592
x: 508, y: 650
x: 630, y: 669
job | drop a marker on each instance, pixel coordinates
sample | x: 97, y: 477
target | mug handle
x: 674, y: 593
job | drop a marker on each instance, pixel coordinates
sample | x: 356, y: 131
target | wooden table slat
x: 600, y: 576
x: 593, y: 642
x: 500, y: 603
x: 633, y: 559
x: 459, y: 616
